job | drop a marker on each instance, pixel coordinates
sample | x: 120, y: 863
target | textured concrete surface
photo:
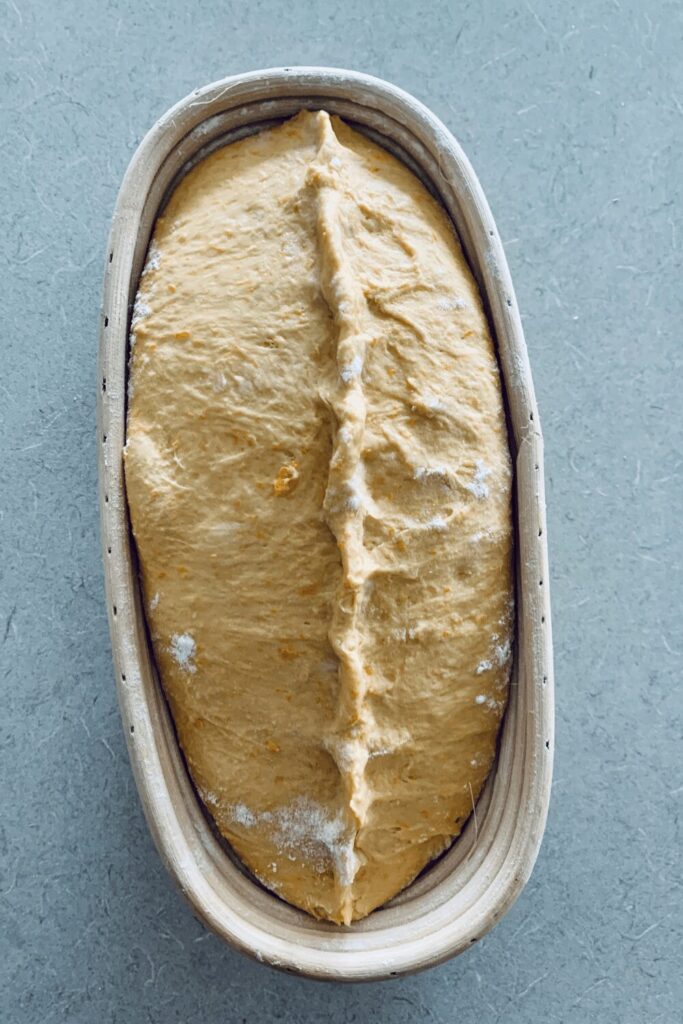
x: 572, y: 115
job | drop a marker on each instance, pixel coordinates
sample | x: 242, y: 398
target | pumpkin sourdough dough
x: 319, y: 484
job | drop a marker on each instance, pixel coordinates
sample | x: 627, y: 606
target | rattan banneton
x: 462, y: 895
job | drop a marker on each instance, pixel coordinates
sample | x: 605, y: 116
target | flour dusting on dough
x: 433, y: 403
x: 183, y: 650
x: 152, y: 261
x: 503, y: 651
x: 425, y: 472
x: 478, y: 486
x: 351, y: 370
x: 447, y: 303
x: 243, y: 816
x: 140, y: 310
x: 354, y: 487
x: 304, y: 829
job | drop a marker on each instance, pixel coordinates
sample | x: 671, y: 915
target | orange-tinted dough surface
x: 319, y: 484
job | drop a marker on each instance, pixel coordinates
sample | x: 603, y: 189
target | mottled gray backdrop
x: 573, y: 117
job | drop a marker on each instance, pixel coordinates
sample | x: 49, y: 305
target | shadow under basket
x: 460, y: 897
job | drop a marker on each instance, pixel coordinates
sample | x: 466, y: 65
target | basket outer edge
x: 119, y: 571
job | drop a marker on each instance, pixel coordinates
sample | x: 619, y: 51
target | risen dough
x: 319, y: 485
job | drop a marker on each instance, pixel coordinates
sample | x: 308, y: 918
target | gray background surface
x: 573, y: 120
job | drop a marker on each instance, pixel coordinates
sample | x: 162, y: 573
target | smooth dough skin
x: 319, y: 483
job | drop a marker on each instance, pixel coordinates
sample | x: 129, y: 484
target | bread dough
x: 319, y: 484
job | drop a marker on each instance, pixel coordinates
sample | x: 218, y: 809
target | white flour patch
x: 183, y: 649
x: 432, y: 403
x: 354, y: 488
x: 242, y: 815
x: 502, y: 652
x: 437, y: 523
x: 478, y: 487
x: 140, y: 311
x: 352, y: 370
x: 152, y: 262
x: 490, y: 702
x: 447, y: 303
x: 425, y: 472
x: 154, y: 603
x: 304, y: 829
x: 484, y: 666
x: 349, y: 754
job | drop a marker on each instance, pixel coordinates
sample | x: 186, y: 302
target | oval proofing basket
x: 462, y: 895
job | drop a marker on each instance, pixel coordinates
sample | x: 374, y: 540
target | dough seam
x: 344, y: 502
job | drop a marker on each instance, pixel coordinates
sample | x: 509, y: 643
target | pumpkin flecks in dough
x: 319, y: 484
